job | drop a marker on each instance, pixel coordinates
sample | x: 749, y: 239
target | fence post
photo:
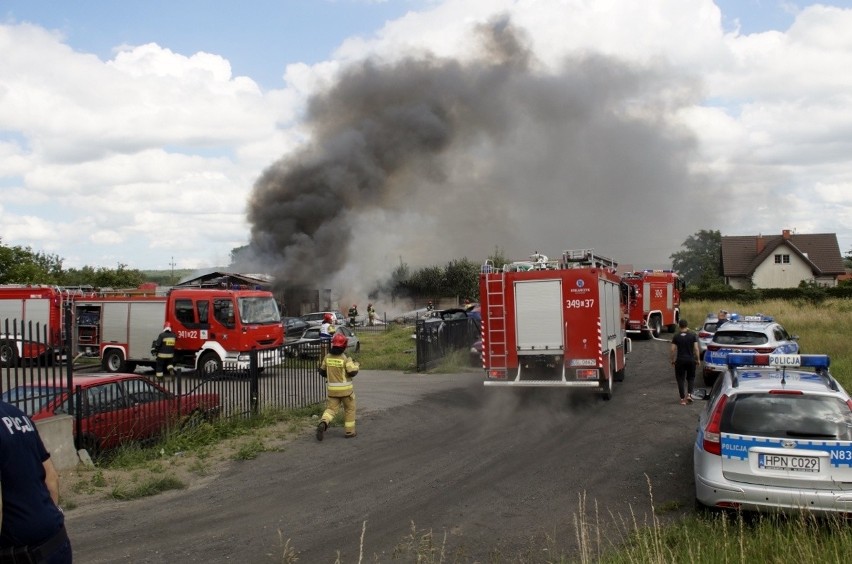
x: 78, y: 419
x: 67, y: 347
x: 254, y: 377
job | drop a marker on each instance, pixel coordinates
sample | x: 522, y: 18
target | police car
x: 775, y: 435
x: 708, y: 328
x: 752, y: 333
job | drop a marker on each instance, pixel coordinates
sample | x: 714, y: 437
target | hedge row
x: 810, y: 294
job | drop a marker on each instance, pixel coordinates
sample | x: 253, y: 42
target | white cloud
x: 152, y: 154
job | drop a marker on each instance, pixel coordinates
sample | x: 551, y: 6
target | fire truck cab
x: 215, y: 328
x: 554, y: 323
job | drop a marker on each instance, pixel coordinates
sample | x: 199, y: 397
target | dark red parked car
x: 115, y: 408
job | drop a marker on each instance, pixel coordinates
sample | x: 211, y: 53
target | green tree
x: 461, y: 278
x: 847, y: 260
x: 22, y: 265
x: 427, y: 281
x: 497, y: 258
x: 700, y: 261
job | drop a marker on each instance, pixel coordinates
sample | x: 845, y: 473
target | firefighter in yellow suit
x: 164, y: 348
x: 338, y: 369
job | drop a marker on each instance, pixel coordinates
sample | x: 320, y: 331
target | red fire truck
x: 31, y: 323
x: 215, y: 328
x: 554, y: 323
x: 654, y: 301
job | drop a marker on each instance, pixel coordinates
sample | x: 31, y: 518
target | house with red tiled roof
x: 781, y: 261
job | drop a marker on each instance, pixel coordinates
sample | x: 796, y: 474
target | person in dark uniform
x: 685, y: 356
x: 164, y: 348
x: 32, y: 527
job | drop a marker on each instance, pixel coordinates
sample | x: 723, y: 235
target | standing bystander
x: 685, y: 357
x: 32, y: 527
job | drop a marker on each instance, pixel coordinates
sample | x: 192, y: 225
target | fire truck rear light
x: 500, y: 374
x: 587, y: 374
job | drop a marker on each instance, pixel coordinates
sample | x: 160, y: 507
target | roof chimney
x: 785, y: 233
x: 761, y: 244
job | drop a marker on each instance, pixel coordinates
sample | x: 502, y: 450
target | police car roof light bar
x: 735, y: 360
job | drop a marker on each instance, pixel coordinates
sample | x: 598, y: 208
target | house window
x: 782, y: 259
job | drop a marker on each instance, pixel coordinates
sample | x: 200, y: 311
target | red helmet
x: 339, y: 340
x: 327, y: 318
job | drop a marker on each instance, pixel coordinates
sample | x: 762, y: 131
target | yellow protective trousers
x: 332, y: 406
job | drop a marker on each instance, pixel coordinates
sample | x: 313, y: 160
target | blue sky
x: 134, y: 132
x: 256, y: 36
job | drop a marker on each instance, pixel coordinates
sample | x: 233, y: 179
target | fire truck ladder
x: 586, y: 257
x: 494, y: 330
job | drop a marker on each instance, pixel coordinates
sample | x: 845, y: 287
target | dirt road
x: 487, y: 471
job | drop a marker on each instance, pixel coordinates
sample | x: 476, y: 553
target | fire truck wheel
x: 656, y: 327
x: 210, y: 365
x: 607, y: 374
x: 113, y: 361
x: 619, y: 374
x: 8, y: 354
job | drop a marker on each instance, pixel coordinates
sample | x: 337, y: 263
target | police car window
x: 788, y: 416
x: 746, y: 338
x: 710, y: 326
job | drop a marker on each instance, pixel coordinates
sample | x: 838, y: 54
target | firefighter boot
x: 321, y: 429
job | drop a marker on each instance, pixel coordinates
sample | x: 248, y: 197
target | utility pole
x: 172, y: 264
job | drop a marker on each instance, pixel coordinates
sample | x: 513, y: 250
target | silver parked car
x: 309, y: 345
x: 775, y: 436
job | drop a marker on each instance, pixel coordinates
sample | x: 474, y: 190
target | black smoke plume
x: 426, y: 159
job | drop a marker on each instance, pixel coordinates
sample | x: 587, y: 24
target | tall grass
x: 822, y: 328
x: 393, y: 349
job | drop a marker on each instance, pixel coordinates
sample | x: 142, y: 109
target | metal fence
x: 437, y: 338
x: 111, y: 409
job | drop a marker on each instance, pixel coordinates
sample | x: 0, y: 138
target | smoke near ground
x: 423, y: 160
